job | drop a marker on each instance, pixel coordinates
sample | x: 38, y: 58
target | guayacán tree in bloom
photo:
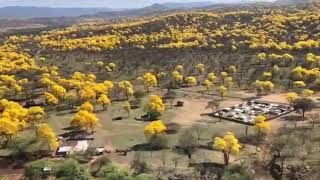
x: 208, y: 84
x: 45, y: 132
x: 212, y: 77
x: 8, y: 129
x: 104, y: 100
x: 155, y: 104
x: 51, y: 99
x: 127, y: 87
x: 228, y: 144
x: 290, y: 97
x: 232, y: 69
x: 179, y: 68
x: 85, y: 119
x: 261, y: 126
x: 149, y: 80
x: 155, y: 128
x: 177, y: 77
x: 191, y: 81
x: 200, y: 67
x: 222, y: 91
x: 307, y: 93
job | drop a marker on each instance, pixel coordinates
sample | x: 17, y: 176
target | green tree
x: 188, y: 143
x: 111, y: 172
x: 303, y: 104
x: 138, y: 95
x: 34, y: 169
x: 71, y: 170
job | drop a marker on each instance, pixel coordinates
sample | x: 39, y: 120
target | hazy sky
x: 97, y: 3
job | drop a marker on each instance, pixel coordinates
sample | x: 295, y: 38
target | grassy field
x: 126, y: 133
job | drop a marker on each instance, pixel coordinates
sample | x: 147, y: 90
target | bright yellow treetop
x: 155, y: 128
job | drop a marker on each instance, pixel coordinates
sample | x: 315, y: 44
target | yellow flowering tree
x: 261, y: 126
x: 155, y: 104
x: 212, y: 77
x: 51, y: 99
x: 307, y: 93
x: 228, y: 144
x: 208, y: 84
x: 200, y: 67
x: 222, y: 91
x: 262, y: 56
x: 85, y: 119
x: 191, y: 81
x: 155, y: 128
x: 87, y: 106
x: 127, y: 87
x: 290, y: 97
x: 45, y: 132
x: 149, y: 80
x: 8, y: 129
x: 179, y: 68
x: 232, y: 69
x: 104, y: 100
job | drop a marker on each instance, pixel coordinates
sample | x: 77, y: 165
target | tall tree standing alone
x: 229, y: 144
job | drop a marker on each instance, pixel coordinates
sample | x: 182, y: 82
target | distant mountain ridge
x: 154, y: 8
x: 35, y: 12
x: 293, y: 2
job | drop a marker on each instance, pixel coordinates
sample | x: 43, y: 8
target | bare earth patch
x: 279, y: 98
x: 192, y: 109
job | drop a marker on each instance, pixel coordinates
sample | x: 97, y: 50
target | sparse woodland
x: 102, y: 79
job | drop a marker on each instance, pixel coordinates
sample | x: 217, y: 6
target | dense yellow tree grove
x: 195, y: 29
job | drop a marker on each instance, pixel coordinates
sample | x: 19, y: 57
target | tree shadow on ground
x: 293, y: 118
x: 145, y: 147
x: 251, y: 140
x: 173, y: 128
x: 76, y: 134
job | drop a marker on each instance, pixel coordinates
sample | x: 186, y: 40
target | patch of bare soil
x: 192, y: 109
x: 278, y: 98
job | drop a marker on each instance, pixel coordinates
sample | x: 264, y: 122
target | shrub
x: 236, y: 172
x: 138, y: 164
x: 98, y: 164
x: 188, y: 143
x: 111, y: 172
x: 145, y: 177
x: 158, y: 142
x: 71, y: 170
x: 34, y: 169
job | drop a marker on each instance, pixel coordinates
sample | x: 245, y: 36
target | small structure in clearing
x: 247, y: 112
x: 70, y: 147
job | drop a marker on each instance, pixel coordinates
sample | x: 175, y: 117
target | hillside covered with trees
x: 103, y: 81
